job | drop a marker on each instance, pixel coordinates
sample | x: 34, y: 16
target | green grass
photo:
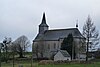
x: 24, y: 63
x: 97, y: 64
x: 18, y: 61
x: 35, y: 64
x: 27, y: 63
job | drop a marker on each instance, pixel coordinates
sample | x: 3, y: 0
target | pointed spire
x: 43, y: 23
x: 44, y: 19
x: 43, y: 26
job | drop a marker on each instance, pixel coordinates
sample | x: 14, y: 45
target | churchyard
x: 35, y: 64
x: 26, y: 62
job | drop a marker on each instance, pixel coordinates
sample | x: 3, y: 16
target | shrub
x: 62, y: 62
x: 44, y: 62
x: 39, y: 59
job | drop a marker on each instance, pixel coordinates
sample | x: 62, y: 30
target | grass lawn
x: 35, y: 64
x: 27, y: 63
x: 72, y: 65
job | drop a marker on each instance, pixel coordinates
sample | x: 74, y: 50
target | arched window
x: 54, y: 45
x: 48, y: 46
x: 58, y: 46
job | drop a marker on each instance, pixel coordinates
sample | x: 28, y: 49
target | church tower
x: 43, y: 26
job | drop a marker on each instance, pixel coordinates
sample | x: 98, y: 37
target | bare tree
x: 6, y: 44
x: 20, y: 45
x: 1, y: 45
x: 39, y: 49
x: 35, y: 49
x: 91, y: 35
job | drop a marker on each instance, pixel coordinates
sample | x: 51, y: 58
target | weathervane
x: 76, y: 23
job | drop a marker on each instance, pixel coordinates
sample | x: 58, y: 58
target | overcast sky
x: 22, y: 17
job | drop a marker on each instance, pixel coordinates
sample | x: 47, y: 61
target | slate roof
x: 65, y: 53
x: 57, y: 34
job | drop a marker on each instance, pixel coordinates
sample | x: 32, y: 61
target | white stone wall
x: 49, y: 46
x: 59, y: 56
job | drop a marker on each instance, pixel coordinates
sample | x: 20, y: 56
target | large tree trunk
x: 37, y: 55
x: 21, y: 55
x: 41, y: 54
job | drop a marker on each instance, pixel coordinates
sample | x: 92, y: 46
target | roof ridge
x: 61, y: 29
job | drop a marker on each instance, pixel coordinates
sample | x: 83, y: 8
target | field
x: 35, y: 64
x: 71, y: 65
x: 26, y: 62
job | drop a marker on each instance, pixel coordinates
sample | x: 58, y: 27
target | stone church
x: 48, y: 42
